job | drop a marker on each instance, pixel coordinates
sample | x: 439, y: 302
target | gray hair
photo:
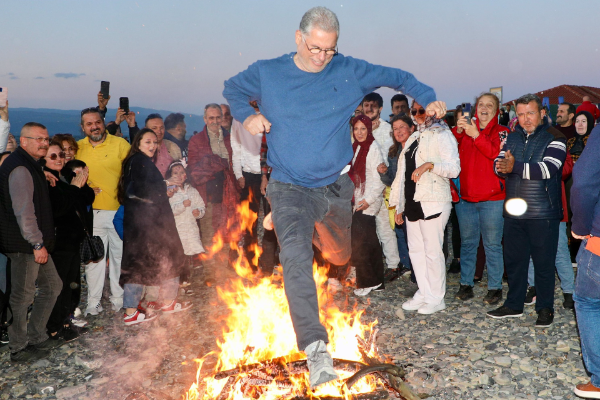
x: 528, y: 98
x: 212, y: 105
x: 319, y: 17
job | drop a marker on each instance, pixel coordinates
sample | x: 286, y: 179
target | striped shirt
x: 553, y: 160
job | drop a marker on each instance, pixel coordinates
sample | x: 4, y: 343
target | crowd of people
x: 504, y: 175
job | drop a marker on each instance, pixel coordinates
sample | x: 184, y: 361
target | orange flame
x: 259, y: 328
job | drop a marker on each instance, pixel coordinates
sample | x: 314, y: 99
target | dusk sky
x: 175, y: 55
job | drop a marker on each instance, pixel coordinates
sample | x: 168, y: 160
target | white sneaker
x: 333, y: 285
x: 365, y: 291
x: 320, y: 364
x: 352, y: 274
x: 78, y: 322
x: 413, y: 304
x: 94, y: 310
x: 431, y: 308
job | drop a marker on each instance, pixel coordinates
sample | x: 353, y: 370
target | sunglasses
x: 54, y: 156
x: 420, y: 111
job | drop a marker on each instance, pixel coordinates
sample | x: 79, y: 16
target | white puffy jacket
x: 373, y: 186
x: 436, y: 145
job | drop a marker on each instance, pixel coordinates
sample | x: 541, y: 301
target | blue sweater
x: 309, y: 144
x: 585, y: 193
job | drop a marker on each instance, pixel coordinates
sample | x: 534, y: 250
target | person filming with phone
x: 480, y: 138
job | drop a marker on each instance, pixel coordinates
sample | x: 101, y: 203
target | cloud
x: 13, y: 77
x: 11, y: 73
x: 40, y: 77
x: 67, y: 75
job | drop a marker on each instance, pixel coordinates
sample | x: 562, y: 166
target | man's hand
x: 96, y: 190
x: 257, y: 123
x: 398, y: 219
x: 4, y: 112
x: 130, y: 118
x: 187, y: 203
x: 418, y: 173
x: 242, y: 182
x: 381, y: 168
x: 437, y: 108
x: 264, y: 181
x: 41, y: 255
x: 362, y: 205
x: 505, y: 166
x: 196, y: 213
x: 51, y: 178
x: 102, y: 102
x: 120, y: 116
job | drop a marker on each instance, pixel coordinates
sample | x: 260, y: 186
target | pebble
x: 503, y: 361
x: 400, y: 314
x: 70, y: 391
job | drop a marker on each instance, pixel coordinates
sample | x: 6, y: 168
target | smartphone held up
x: 104, y: 88
x: 3, y: 96
x: 124, y: 104
x: 466, y: 112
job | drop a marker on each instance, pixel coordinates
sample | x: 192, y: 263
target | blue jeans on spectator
x: 132, y: 294
x: 303, y: 216
x: 3, y: 262
x: 483, y: 219
x: 587, y: 307
x: 564, y: 267
x: 401, y: 237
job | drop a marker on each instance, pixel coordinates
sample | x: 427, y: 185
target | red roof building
x: 570, y: 94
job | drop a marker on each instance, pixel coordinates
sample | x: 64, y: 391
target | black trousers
x: 537, y: 238
x: 68, y: 267
x: 367, y: 255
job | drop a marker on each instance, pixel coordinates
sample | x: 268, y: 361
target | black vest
x: 543, y: 196
x: 11, y: 240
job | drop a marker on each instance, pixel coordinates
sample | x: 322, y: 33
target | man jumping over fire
x: 306, y: 99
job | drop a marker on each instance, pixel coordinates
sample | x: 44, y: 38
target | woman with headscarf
x: 584, y: 123
x: 367, y: 255
x: 421, y: 192
x: 482, y: 195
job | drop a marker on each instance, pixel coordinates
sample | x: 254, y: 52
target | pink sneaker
x: 137, y: 318
x: 174, y: 307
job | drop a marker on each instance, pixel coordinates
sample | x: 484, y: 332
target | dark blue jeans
x: 538, y: 239
x: 303, y: 216
x: 587, y: 305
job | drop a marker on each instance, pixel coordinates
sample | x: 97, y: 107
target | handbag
x: 91, y: 249
x: 454, y: 192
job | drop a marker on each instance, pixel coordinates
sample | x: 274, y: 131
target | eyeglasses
x: 414, y: 111
x: 54, y: 156
x: 38, y: 139
x: 317, y: 50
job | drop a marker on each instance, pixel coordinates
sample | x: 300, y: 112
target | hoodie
x: 478, y: 182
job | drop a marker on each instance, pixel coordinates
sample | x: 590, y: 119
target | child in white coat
x: 187, y: 206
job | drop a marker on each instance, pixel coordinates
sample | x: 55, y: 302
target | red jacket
x: 566, y: 174
x: 478, y: 182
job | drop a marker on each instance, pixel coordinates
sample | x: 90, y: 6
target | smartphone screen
x: 104, y: 88
x: 124, y: 104
x: 3, y: 96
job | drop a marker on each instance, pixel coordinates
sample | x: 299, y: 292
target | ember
x: 258, y: 357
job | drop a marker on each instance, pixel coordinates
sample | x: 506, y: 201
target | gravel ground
x: 457, y: 353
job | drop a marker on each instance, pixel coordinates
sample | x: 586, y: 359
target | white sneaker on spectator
x: 78, y: 322
x: 431, y: 308
x: 413, y: 304
x: 94, y: 310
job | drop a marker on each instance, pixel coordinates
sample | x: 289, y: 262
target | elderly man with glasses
x: 306, y: 99
x: 26, y: 237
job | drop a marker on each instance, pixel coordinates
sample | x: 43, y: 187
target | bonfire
x: 258, y: 357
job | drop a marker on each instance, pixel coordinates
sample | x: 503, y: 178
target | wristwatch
x: 432, y: 165
x: 38, y: 246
